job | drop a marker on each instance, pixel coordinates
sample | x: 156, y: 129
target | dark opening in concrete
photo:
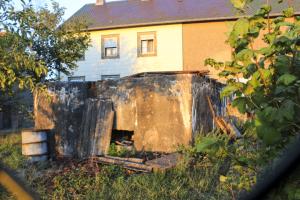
x: 122, y: 136
x: 123, y: 139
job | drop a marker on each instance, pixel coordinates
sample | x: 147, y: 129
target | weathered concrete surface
x: 61, y: 111
x: 163, y: 110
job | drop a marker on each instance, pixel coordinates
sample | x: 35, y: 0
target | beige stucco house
x: 134, y: 36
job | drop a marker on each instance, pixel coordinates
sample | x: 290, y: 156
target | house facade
x: 135, y: 36
x: 114, y: 53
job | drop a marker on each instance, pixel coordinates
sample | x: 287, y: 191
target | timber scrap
x: 163, y: 163
x: 222, y: 123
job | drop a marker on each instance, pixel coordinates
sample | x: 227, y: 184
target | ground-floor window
x: 110, y: 77
x: 76, y: 78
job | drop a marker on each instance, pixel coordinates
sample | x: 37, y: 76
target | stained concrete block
x: 163, y: 110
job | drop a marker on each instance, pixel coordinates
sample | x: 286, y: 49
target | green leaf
x: 269, y: 113
x: 282, y: 64
x: 264, y: 10
x: 231, y: 88
x: 239, y: 4
x: 266, y: 51
x: 286, y: 79
x: 241, y: 104
x: 270, y: 38
x: 241, y: 27
x: 245, y: 56
x: 255, y: 80
x: 249, y: 90
x: 268, y: 134
x: 206, y: 144
x: 266, y: 75
x: 289, y: 12
x: 287, y: 109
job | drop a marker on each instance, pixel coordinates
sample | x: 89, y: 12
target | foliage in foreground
x: 213, y: 168
x: 36, y: 44
x: 265, y: 78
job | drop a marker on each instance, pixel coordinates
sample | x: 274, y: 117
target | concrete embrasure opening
x: 123, y: 139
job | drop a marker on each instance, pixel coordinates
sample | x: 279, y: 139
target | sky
x: 71, y: 6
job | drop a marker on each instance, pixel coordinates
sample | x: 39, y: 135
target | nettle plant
x: 265, y: 81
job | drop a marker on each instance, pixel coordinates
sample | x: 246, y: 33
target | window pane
x: 76, y: 78
x: 110, y: 77
x: 110, y: 42
x: 147, y: 46
x: 150, y: 46
x: 107, y: 52
x: 144, y: 46
x: 114, y: 51
x: 111, y: 52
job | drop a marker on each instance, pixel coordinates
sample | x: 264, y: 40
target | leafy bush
x: 265, y: 80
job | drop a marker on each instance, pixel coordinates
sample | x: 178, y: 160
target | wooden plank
x: 164, y: 162
x: 225, y: 125
x: 87, y: 130
x: 104, y: 125
x: 125, y: 164
x: 136, y: 160
x: 96, y: 128
x: 211, y: 108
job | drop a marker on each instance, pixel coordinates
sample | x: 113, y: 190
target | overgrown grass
x: 213, y: 168
x: 11, y: 156
x: 11, y: 151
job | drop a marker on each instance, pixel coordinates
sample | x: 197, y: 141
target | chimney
x: 100, y: 2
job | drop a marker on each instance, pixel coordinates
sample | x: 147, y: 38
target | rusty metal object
x: 34, y: 145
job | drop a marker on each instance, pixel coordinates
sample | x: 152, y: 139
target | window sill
x: 113, y: 57
x: 147, y: 55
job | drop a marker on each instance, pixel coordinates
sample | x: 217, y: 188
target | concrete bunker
x: 156, y: 111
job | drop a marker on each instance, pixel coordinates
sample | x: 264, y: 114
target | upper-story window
x: 147, y: 44
x: 110, y: 46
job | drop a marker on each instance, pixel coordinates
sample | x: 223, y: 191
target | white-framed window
x: 147, y: 44
x: 76, y: 78
x: 110, y: 77
x: 110, y: 46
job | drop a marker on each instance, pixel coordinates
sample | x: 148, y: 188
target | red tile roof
x: 133, y: 13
